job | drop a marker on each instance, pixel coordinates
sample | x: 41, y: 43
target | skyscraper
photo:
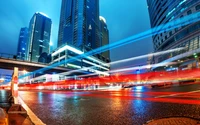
x: 79, y: 32
x: 164, y: 11
x: 22, y: 42
x: 39, y: 36
x: 79, y: 24
x: 104, y: 36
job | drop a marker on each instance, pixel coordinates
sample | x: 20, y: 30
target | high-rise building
x: 22, y: 42
x: 164, y: 11
x: 79, y: 32
x: 79, y: 24
x: 39, y: 37
x: 104, y: 36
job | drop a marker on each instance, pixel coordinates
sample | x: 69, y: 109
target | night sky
x: 124, y: 18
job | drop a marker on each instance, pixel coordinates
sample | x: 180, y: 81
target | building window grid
x: 197, y: 7
x: 195, y: 42
x: 177, y: 11
x: 192, y: 44
x: 189, y: 12
x: 189, y: 45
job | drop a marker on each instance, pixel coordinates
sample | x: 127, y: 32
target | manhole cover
x: 173, y: 121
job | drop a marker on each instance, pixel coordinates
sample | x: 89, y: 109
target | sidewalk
x: 174, y: 121
x: 14, y: 115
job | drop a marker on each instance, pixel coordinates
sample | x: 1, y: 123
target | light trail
x: 177, y: 94
x: 150, y: 99
x: 133, y: 68
x: 157, y: 30
x: 126, y: 60
x: 147, y: 55
x: 143, y: 67
x: 149, y: 78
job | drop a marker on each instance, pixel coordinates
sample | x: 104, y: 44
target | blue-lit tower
x: 79, y: 24
x: 39, y: 37
x: 22, y: 42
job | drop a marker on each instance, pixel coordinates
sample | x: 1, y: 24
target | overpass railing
x: 8, y: 56
x: 16, y: 58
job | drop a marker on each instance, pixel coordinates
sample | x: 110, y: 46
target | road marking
x: 32, y: 116
x: 176, y: 94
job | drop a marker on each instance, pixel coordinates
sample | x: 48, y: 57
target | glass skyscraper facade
x: 22, y: 43
x: 104, y: 37
x: 79, y: 24
x: 80, y: 32
x: 39, y: 36
x: 164, y: 11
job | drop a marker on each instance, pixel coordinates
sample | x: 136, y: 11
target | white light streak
x: 147, y: 55
x: 129, y: 59
x: 142, y: 67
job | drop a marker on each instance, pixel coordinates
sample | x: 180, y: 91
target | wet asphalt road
x: 113, y: 107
